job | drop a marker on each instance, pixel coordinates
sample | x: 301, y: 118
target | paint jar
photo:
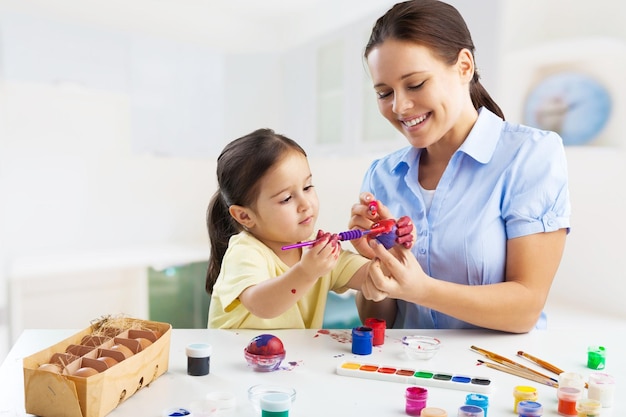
x: 571, y: 379
x: 601, y: 388
x: 433, y: 412
x: 362, y: 340
x: 596, y: 357
x: 529, y: 409
x: 378, y: 327
x: 568, y: 396
x: 177, y: 412
x: 588, y: 408
x: 198, y: 359
x: 221, y: 403
x: 479, y: 400
x: 275, y: 404
x: 523, y: 393
x: 470, y: 411
x: 415, y: 400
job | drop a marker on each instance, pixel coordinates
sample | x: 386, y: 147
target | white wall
x: 69, y: 179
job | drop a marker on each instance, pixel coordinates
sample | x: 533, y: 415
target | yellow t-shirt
x: 247, y: 262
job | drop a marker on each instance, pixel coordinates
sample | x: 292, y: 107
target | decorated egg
x: 266, y: 344
x: 385, y: 233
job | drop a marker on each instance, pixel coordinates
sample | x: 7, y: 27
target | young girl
x: 266, y: 200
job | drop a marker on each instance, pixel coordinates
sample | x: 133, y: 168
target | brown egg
x: 108, y: 360
x: 51, y: 367
x: 123, y: 350
x: 85, y: 372
x: 143, y: 342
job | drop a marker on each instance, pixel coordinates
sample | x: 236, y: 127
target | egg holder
x: 51, y: 394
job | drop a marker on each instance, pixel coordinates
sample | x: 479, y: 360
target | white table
x: 310, y: 368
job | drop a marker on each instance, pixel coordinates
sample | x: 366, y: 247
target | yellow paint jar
x: 523, y: 393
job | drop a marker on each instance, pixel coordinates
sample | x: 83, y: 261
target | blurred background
x: 112, y: 113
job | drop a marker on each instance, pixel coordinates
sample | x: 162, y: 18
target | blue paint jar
x: 478, y: 400
x: 362, y: 340
x: 530, y: 409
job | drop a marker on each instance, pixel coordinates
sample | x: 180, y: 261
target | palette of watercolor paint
x: 416, y: 377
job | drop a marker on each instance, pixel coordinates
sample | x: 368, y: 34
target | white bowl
x: 420, y: 347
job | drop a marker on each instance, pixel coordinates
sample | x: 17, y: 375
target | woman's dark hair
x: 240, y: 167
x: 440, y: 27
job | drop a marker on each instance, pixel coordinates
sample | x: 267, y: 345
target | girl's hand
x: 322, y: 256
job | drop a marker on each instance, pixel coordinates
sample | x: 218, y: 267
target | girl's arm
x: 271, y: 298
x: 511, y: 306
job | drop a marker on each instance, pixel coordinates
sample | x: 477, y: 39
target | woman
x: 489, y: 199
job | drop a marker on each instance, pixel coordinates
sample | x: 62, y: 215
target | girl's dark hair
x: 240, y: 167
x: 440, y: 27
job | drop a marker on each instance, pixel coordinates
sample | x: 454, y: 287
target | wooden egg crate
x: 73, y: 378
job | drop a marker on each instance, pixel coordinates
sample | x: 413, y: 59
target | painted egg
x: 387, y: 233
x: 266, y: 344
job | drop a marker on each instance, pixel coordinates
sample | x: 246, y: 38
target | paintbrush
x: 540, y: 362
x: 508, y: 362
x: 521, y: 373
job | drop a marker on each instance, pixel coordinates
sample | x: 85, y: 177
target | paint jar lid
x: 362, y: 332
x: 221, y: 400
x: 571, y: 379
x: 177, y: 412
x: 275, y: 402
x: 199, y: 350
x: 601, y: 378
x: 525, y: 392
x: 416, y: 393
x: 470, y: 411
x: 589, y: 407
x: 433, y: 412
x: 568, y: 393
x: 477, y: 399
x: 215, y: 403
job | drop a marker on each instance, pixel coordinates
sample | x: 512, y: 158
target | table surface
x: 310, y: 366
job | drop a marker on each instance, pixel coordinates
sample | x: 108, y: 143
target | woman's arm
x: 511, y: 306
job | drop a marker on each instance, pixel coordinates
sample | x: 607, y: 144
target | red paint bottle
x: 378, y: 327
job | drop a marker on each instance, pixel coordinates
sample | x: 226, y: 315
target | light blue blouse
x: 505, y: 181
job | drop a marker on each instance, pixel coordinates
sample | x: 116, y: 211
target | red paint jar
x: 378, y: 327
x: 568, y: 397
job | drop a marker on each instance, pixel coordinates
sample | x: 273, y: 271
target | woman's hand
x: 405, y: 231
x: 368, y: 212
x: 395, y: 274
